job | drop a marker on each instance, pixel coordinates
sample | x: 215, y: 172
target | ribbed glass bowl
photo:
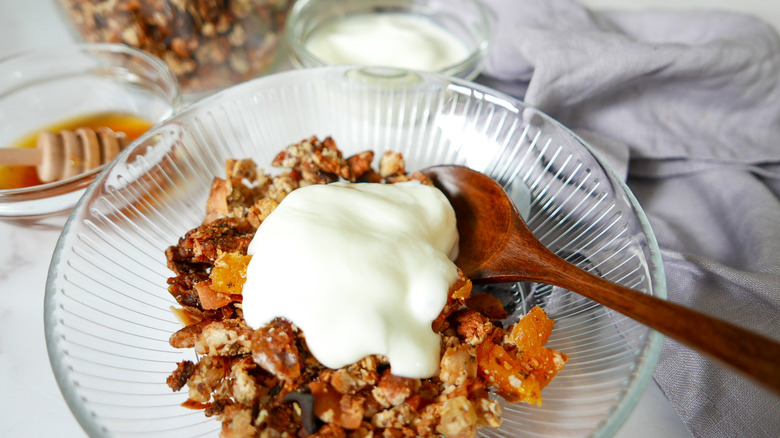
x: 107, y: 306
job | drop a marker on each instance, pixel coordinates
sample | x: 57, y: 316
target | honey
x: 16, y: 177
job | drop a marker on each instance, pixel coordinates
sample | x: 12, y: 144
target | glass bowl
x: 107, y: 316
x: 44, y: 88
x: 209, y: 45
x: 445, y: 36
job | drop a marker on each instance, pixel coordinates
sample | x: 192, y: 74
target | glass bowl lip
x: 81, y: 181
x: 470, y: 64
x: 59, y: 49
x: 649, y: 353
x: 41, y: 190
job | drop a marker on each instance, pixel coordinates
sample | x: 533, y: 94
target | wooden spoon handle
x: 754, y: 355
x: 19, y: 156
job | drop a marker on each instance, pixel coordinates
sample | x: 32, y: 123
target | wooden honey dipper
x: 67, y: 153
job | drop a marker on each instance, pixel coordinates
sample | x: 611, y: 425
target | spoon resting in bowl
x: 497, y: 246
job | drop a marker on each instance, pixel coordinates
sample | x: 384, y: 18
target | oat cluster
x: 265, y: 383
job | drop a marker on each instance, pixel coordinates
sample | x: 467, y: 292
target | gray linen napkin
x: 686, y: 106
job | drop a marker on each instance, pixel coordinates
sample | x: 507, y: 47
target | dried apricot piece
x: 502, y: 371
x: 229, y: 272
x: 543, y: 363
x: 533, y: 330
x: 459, y: 292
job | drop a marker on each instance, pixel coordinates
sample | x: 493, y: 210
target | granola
x: 207, y: 44
x: 266, y: 383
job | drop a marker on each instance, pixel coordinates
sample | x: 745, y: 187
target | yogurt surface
x: 361, y: 268
x: 387, y: 39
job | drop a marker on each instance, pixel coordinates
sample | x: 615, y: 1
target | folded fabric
x: 686, y: 106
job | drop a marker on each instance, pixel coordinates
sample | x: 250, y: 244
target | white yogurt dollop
x: 387, y: 39
x: 361, y: 268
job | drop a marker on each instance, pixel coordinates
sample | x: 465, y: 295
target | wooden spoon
x: 497, y: 246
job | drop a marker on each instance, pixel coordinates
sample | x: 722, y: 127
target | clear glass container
x: 107, y: 305
x: 209, y: 45
x: 444, y: 36
x: 45, y: 87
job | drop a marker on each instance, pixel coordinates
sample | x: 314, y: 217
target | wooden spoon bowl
x: 497, y: 246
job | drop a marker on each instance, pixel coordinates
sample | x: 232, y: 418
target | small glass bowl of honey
x: 73, y: 96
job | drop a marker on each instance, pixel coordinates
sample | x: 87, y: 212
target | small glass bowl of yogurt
x: 444, y: 36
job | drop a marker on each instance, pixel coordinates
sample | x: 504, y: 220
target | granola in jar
x: 208, y: 44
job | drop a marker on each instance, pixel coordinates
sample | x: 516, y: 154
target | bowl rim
x: 83, y: 180
x: 302, y: 57
x: 649, y: 353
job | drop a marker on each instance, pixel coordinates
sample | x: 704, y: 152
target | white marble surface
x: 32, y: 405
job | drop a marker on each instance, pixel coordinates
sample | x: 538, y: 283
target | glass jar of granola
x: 208, y: 44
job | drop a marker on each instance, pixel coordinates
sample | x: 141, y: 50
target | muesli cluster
x: 208, y: 44
x: 265, y: 383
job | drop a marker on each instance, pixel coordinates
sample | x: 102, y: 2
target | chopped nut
x: 395, y: 417
x: 243, y: 387
x: 237, y: 422
x: 224, y: 338
x: 356, y: 376
x: 359, y: 165
x: 473, y: 327
x: 391, y: 164
x: 260, y: 210
x: 392, y: 390
x: 458, y: 418
x: 178, y: 379
x: 458, y: 364
x: 274, y: 349
x: 208, y: 375
x: 488, y: 413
